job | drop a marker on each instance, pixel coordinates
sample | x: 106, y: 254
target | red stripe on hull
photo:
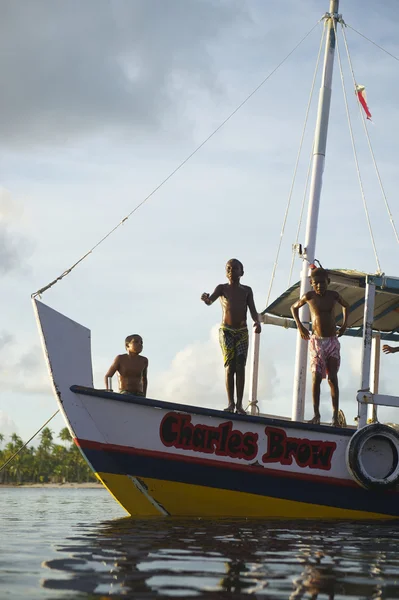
x: 90, y: 445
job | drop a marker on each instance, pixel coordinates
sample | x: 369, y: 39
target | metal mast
x: 319, y: 154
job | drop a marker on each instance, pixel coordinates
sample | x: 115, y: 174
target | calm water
x: 76, y: 543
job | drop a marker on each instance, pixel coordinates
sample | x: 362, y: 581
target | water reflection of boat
x: 187, y: 557
x: 163, y: 458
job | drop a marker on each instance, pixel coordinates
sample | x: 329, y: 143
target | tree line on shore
x: 49, y: 462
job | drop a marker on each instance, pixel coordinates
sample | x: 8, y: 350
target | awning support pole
x: 366, y: 349
x: 376, y: 356
x: 253, y: 385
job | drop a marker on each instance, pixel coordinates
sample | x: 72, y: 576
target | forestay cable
x: 355, y: 155
x: 369, y: 141
x: 305, y: 193
x: 30, y: 439
x: 371, y: 41
x: 65, y: 273
x: 295, y: 170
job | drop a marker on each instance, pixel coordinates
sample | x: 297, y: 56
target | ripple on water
x: 288, y: 560
x: 60, y: 542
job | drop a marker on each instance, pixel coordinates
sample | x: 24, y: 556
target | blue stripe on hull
x: 265, y: 484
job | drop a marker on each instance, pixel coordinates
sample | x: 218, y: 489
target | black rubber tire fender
x: 354, y: 456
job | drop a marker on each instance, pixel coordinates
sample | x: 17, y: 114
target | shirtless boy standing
x: 131, y: 368
x: 233, y: 333
x: 324, y: 345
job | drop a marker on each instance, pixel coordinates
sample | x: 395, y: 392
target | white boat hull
x: 162, y: 458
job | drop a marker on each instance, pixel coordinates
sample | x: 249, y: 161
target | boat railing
x: 367, y: 397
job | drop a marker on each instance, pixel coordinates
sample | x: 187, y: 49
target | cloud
x: 196, y: 377
x: 7, y: 425
x: 10, y: 251
x: 14, y: 246
x: 10, y: 210
x: 70, y: 68
x: 5, y: 340
x: 24, y: 372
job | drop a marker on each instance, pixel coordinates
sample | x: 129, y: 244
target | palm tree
x: 60, y: 463
x: 43, y: 454
x: 48, y: 461
x: 64, y: 435
x: 15, y: 467
x: 2, y: 461
x: 46, y: 439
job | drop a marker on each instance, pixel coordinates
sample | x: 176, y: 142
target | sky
x: 100, y: 102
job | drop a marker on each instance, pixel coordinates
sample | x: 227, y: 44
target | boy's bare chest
x: 322, y: 304
x: 131, y: 365
x: 235, y: 295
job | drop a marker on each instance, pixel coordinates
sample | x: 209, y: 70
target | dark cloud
x: 12, y: 251
x: 77, y: 67
x: 5, y: 340
x: 14, y: 247
x: 24, y: 373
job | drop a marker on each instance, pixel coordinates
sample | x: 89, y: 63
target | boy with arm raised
x: 235, y: 299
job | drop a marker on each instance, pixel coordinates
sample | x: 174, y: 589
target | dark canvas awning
x: 351, y: 285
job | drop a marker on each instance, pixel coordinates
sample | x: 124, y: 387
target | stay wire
x: 355, y: 154
x: 295, y: 169
x: 371, y: 41
x: 67, y: 271
x: 30, y: 439
x: 370, y: 144
x: 305, y: 192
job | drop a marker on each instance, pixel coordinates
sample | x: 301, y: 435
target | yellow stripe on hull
x: 188, y: 500
x: 122, y: 488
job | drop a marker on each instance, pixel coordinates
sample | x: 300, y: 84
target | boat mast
x: 319, y: 154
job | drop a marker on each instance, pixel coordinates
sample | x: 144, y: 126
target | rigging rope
x: 65, y: 273
x: 369, y: 142
x: 355, y: 155
x: 30, y: 439
x: 295, y: 169
x: 371, y: 41
x: 305, y: 192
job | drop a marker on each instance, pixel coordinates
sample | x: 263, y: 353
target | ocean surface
x: 78, y: 543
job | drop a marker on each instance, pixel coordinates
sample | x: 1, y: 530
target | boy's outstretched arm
x: 295, y: 313
x: 253, y: 311
x: 111, y: 371
x: 345, y: 313
x: 210, y: 299
x: 390, y: 349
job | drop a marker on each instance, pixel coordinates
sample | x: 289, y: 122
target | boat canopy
x: 351, y: 285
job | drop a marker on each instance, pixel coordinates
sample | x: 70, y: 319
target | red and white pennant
x: 361, y: 94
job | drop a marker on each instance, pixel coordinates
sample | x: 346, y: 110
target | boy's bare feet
x: 230, y: 408
x: 315, y: 420
x: 341, y: 418
x: 240, y: 410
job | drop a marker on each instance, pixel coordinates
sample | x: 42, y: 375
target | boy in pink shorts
x: 324, y: 345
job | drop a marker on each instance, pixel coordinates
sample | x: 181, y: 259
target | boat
x: 161, y: 458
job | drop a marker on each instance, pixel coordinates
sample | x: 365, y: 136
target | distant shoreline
x: 86, y: 485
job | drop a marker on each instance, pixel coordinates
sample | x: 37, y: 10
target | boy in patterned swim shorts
x: 324, y: 345
x: 236, y: 299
